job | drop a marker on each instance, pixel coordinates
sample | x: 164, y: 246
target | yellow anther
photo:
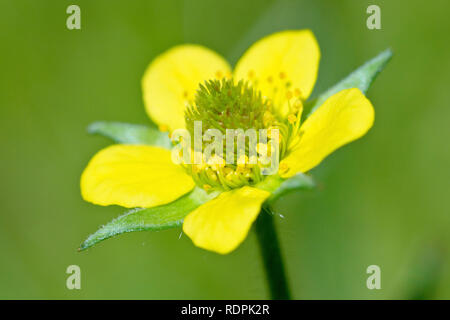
x: 252, y: 160
x: 227, y: 171
x: 207, y: 187
x: 292, y: 118
x: 289, y: 95
x: 195, y: 168
x: 267, y: 118
x: 298, y: 105
x: 269, y: 79
x: 215, y: 159
x: 242, y: 161
x: 261, y: 148
x: 216, y: 162
x: 239, y: 170
x: 219, y: 74
x: 283, y: 167
x: 271, y: 133
x: 251, y: 74
x: 180, y: 153
x: 185, y: 94
x: 279, y: 138
x: 263, y: 161
x: 211, y: 174
x: 298, y: 108
x: 229, y: 176
x: 163, y: 128
x: 242, y: 170
x: 282, y: 75
x: 297, y: 92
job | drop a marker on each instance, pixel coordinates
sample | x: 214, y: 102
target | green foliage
x: 299, y: 182
x: 130, y: 133
x: 361, y: 78
x: 157, y: 218
x: 278, y: 186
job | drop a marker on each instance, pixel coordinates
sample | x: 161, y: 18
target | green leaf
x: 131, y: 133
x: 280, y: 187
x: 361, y: 78
x: 157, y: 218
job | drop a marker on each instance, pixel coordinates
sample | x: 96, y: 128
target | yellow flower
x: 283, y: 68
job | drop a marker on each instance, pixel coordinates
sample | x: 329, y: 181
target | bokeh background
x: 382, y: 200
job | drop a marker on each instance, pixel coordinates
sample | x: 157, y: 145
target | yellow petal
x: 283, y: 62
x: 344, y: 117
x: 172, y: 79
x: 134, y: 176
x: 221, y: 224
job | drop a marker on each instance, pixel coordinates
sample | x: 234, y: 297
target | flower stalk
x: 271, y: 255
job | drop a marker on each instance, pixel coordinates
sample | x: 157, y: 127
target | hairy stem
x: 271, y: 255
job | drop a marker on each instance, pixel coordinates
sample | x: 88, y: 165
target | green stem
x: 271, y: 255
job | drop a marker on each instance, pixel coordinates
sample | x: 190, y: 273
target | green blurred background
x: 382, y: 200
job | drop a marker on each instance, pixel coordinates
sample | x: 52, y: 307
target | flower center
x: 238, y: 109
x: 222, y: 104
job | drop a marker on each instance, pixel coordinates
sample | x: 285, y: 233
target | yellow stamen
x: 227, y: 171
x: 289, y: 95
x: 240, y: 169
x: 271, y: 133
x: 252, y: 161
x: 163, y: 128
x: 283, y: 167
x: 211, y: 174
x: 216, y: 162
x: 229, y: 176
x: 243, y: 159
x: 292, y: 118
x: 267, y: 118
x: 298, y: 105
x: 261, y: 148
x: 196, y: 168
x: 263, y: 161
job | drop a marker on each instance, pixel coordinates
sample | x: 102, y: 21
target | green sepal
x: 127, y: 133
x: 298, y: 182
x: 361, y: 78
x: 163, y: 217
x: 278, y: 186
